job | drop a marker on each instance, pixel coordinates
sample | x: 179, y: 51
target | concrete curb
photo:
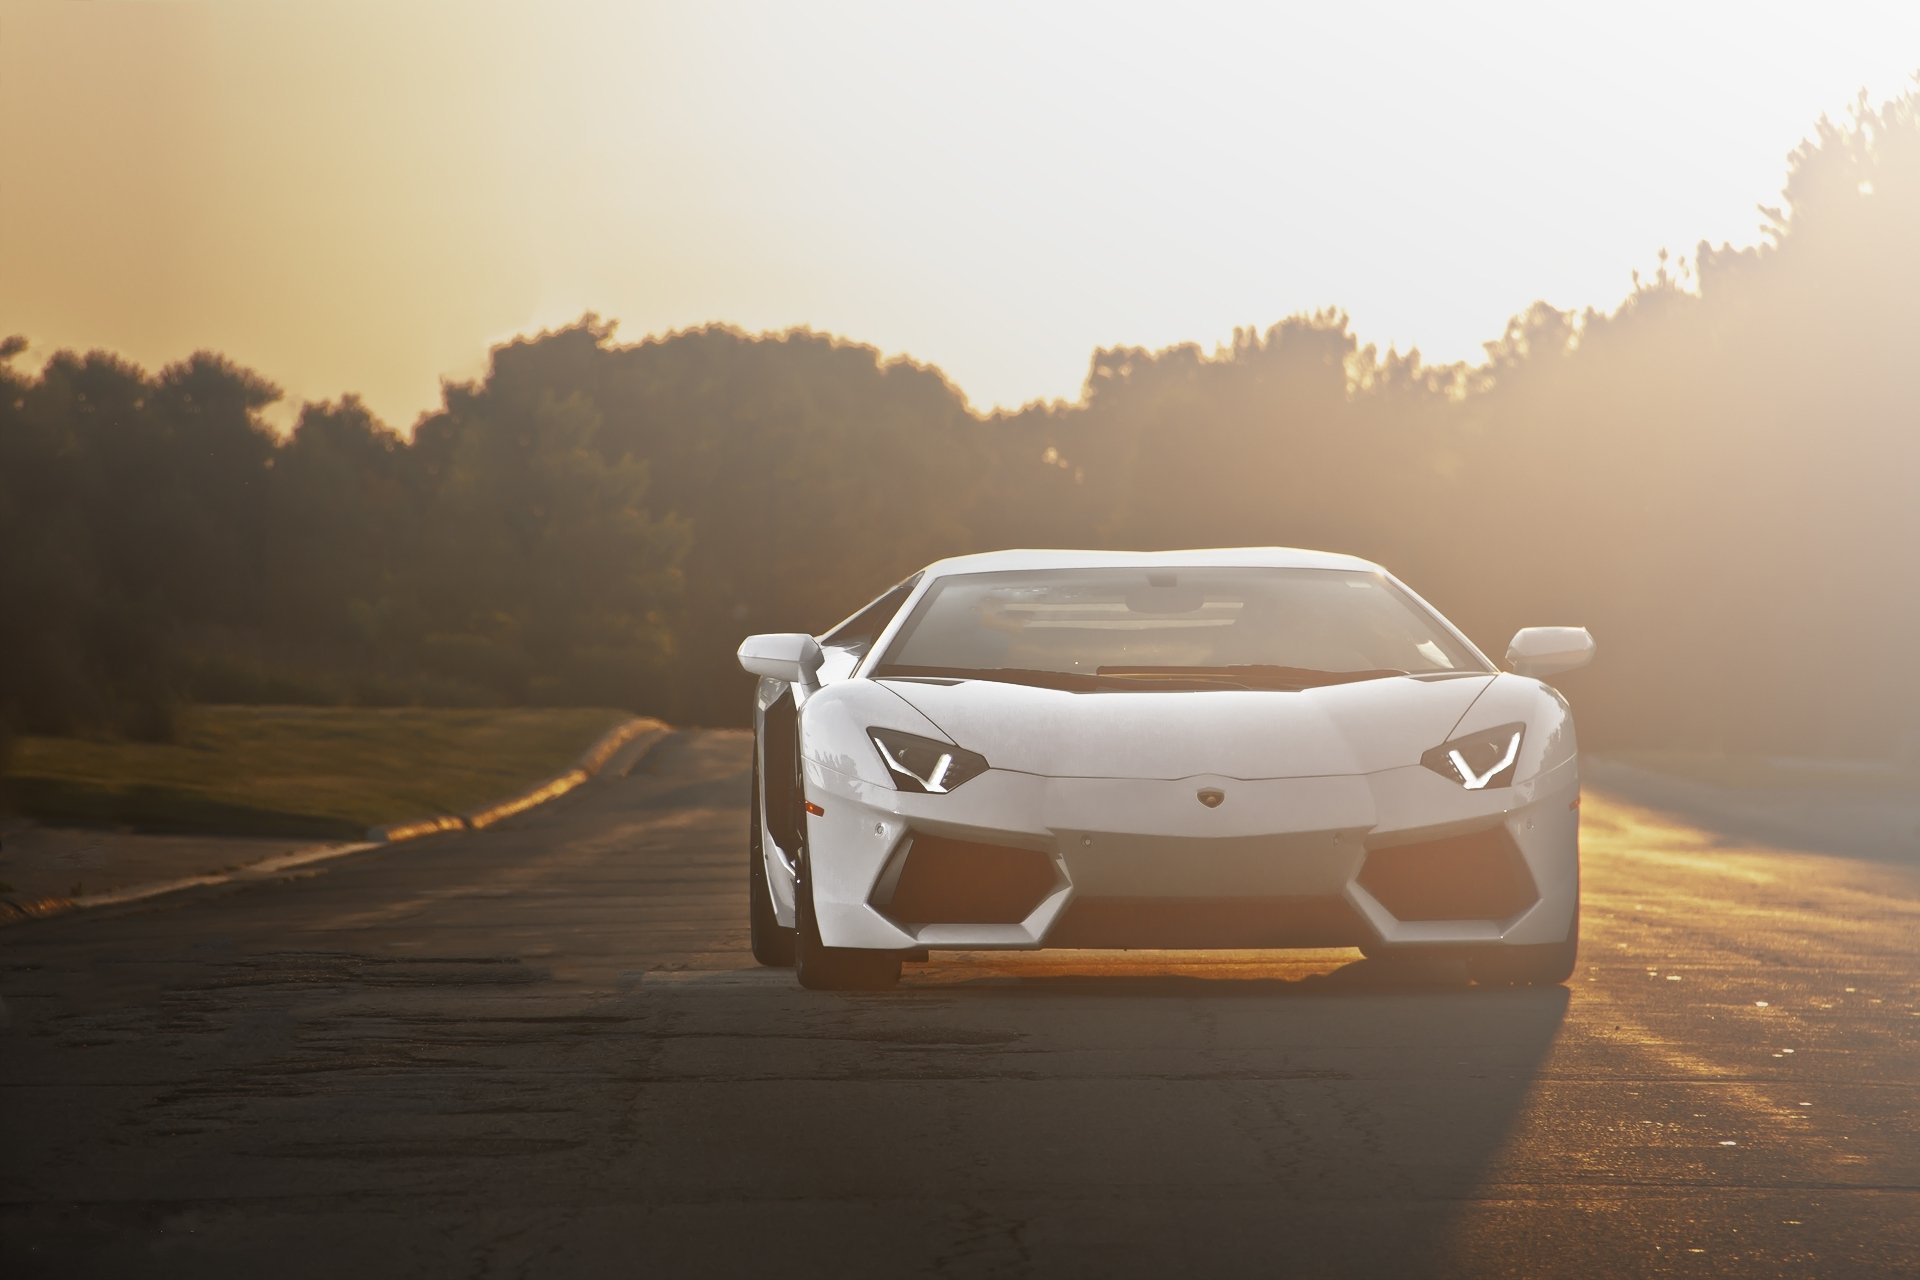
x: 590, y: 764
x: 13, y: 910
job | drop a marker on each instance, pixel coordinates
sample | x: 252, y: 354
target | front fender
x: 834, y: 724
x: 1548, y: 743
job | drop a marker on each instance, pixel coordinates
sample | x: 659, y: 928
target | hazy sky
x: 364, y: 196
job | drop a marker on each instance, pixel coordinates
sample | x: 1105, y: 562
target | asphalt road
x: 543, y: 1050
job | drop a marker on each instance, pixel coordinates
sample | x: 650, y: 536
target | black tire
x: 1385, y: 953
x: 772, y: 944
x: 1424, y: 965
x: 1546, y: 964
x: 823, y: 968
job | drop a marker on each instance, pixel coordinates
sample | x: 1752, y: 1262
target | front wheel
x: 824, y: 968
x: 1417, y: 965
x: 772, y: 943
x: 1546, y: 964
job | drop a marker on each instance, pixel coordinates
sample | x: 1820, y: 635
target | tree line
x: 1720, y: 476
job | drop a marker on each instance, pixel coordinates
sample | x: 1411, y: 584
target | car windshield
x: 1107, y: 628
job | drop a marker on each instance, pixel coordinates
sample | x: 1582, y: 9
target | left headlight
x: 925, y: 764
x: 1479, y: 760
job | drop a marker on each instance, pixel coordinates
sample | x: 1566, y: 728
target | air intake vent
x: 1472, y: 877
x: 942, y: 881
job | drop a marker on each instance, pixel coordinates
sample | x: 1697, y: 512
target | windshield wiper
x: 1249, y: 676
x: 1196, y: 678
x: 1255, y: 675
x: 1070, y: 681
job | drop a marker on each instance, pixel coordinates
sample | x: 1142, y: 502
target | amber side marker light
x: 1574, y: 803
x: 816, y: 810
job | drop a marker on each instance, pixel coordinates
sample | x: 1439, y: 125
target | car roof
x: 1214, y: 557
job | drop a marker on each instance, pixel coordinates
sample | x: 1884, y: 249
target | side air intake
x: 1481, y: 876
x: 935, y: 880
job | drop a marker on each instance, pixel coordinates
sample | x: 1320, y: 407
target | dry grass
x: 300, y: 770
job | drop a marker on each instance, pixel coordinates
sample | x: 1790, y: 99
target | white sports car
x: 1255, y: 747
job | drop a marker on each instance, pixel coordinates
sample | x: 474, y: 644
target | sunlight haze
x: 356, y: 197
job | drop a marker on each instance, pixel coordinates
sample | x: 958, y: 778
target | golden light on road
x: 995, y: 189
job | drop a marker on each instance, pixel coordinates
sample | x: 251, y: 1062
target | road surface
x: 542, y: 1050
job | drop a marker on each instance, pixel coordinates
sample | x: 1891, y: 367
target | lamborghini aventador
x: 1245, y: 748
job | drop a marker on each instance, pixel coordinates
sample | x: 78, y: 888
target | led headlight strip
x: 925, y: 764
x: 1479, y: 761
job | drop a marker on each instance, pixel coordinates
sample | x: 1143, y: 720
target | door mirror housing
x: 790, y: 656
x: 1544, y: 651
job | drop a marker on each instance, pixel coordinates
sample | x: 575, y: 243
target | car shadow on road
x: 1127, y: 1114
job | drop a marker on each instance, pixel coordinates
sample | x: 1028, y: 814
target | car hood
x: 1361, y: 727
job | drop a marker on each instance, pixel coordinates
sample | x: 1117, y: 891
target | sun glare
x: 994, y: 189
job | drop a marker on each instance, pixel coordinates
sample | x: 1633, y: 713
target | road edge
x: 592, y: 762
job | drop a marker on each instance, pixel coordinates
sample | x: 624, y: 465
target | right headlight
x: 1480, y: 760
x: 925, y: 764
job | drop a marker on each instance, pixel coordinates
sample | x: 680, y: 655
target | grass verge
x: 299, y: 771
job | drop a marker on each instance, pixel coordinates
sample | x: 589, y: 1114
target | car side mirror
x: 790, y: 656
x: 1544, y: 651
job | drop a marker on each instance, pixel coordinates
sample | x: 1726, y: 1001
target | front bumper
x: 1018, y: 861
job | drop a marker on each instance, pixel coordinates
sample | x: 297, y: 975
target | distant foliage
x: 1721, y: 477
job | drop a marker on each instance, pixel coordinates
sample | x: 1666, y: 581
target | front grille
x: 935, y: 880
x: 1481, y: 876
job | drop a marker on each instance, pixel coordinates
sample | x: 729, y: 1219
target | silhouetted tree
x: 1718, y: 475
